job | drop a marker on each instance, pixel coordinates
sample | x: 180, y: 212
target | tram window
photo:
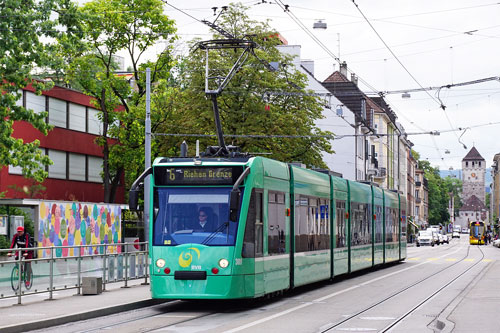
x: 252, y: 241
x: 341, y: 224
x: 388, y: 224
x: 360, y: 224
x: 378, y: 224
x: 276, y: 220
x: 312, y: 231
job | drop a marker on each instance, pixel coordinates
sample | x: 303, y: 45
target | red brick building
x: 76, y: 172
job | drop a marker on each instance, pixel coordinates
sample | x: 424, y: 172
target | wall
x: 78, y: 223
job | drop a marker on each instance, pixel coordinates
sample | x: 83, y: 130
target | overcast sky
x: 439, y: 42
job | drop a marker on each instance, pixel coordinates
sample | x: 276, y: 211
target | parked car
x: 496, y: 242
x: 442, y: 238
x: 425, y: 237
x: 455, y: 234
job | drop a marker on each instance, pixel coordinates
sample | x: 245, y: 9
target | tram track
x: 401, y: 291
x: 149, y: 317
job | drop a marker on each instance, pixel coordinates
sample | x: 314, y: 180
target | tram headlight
x: 223, y: 263
x: 160, y: 263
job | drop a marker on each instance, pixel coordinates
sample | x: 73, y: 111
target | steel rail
x: 333, y: 326
x: 401, y: 318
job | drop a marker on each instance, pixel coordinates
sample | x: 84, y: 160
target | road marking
x: 469, y: 259
x: 451, y: 259
x: 173, y: 316
x: 487, y: 260
x: 415, y: 258
x: 282, y: 313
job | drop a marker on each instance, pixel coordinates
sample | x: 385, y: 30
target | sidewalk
x: 38, y: 312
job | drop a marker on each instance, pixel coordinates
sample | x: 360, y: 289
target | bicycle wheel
x: 14, y: 278
x: 28, y: 277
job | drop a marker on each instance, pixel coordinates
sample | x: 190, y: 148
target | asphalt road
x: 435, y: 289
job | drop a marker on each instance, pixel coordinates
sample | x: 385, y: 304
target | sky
x: 437, y: 43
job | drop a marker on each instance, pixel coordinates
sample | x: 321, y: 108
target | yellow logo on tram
x: 185, y: 259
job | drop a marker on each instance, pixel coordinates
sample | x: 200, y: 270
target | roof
x: 348, y: 93
x: 473, y: 204
x: 473, y: 155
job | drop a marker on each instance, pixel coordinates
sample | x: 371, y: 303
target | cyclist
x: 22, y: 240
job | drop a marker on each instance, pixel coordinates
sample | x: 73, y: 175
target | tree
x: 100, y: 31
x: 23, y: 24
x: 454, y: 185
x: 438, y: 194
x: 248, y: 105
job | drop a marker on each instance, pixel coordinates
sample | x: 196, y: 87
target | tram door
x: 253, y: 243
x: 277, y: 260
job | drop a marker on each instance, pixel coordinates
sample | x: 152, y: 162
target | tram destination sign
x: 177, y: 176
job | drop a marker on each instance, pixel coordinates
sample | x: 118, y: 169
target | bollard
x: 51, y: 274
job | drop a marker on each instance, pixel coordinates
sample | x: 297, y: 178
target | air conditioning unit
x: 382, y: 172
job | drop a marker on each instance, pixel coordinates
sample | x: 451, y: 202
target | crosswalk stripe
x: 451, y: 259
x: 469, y: 259
x: 487, y: 260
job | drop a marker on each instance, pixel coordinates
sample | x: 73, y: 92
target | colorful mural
x: 75, y: 223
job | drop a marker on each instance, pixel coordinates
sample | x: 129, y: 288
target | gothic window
x: 466, y: 164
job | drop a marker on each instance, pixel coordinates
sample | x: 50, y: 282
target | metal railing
x: 63, y: 267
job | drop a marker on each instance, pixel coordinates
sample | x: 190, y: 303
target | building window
x: 77, y: 166
x: 95, y: 124
x: 15, y: 170
x: 57, y: 112
x: 58, y: 169
x: 35, y: 102
x: 77, y: 117
x: 95, y: 169
x: 466, y: 164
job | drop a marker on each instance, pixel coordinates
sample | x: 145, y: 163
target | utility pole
x: 147, y: 154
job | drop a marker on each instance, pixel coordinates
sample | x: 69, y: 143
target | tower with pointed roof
x: 473, y: 176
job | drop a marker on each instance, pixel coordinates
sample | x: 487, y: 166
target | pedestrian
x: 489, y: 237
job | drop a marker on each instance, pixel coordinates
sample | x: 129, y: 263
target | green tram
x: 246, y: 227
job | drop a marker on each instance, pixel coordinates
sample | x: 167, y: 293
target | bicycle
x: 26, y: 275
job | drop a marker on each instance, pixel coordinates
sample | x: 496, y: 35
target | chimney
x: 354, y: 79
x: 308, y: 65
x: 343, y: 69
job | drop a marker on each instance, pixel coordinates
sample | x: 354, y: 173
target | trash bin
x: 91, y: 285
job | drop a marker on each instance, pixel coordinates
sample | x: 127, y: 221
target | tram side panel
x: 403, y: 228
x: 360, y: 226
x: 391, y: 224
x: 311, y: 239
x: 378, y: 228
x: 340, y: 226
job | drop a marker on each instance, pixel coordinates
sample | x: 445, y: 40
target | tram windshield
x: 196, y: 215
x: 476, y: 230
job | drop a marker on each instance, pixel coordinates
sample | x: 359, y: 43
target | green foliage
x: 4, y: 243
x: 24, y: 25
x: 103, y: 29
x: 439, y: 193
x: 242, y: 105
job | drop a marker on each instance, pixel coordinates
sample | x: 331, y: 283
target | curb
x: 36, y: 325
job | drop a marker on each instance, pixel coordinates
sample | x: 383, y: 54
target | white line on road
x: 279, y: 314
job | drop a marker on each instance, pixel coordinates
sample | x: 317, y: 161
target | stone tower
x: 473, y: 174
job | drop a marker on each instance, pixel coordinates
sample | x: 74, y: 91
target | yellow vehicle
x: 477, y: 233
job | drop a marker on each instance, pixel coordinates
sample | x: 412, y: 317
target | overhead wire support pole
x: 147, y: 153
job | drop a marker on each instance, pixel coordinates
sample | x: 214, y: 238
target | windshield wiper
x: 215, y: 232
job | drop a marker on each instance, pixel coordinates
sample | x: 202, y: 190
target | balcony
x: 418, y: 200
x: 418, y: 184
